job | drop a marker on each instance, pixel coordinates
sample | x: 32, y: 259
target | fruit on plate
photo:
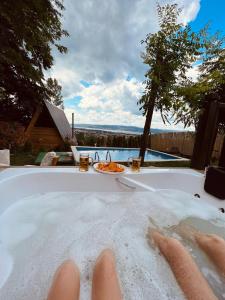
x: 110, y: 167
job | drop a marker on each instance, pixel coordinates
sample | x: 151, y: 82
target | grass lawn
x: 22, y: 158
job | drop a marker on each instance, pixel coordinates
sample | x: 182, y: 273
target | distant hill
x: 119, y: 128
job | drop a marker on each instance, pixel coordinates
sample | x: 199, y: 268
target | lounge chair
x: 5, y: 158
x: 76, y: 154
x: 50, y: 159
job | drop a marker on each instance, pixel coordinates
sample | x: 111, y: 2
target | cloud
x: 112, y: 103
x: 118, y: 95
x: 68, y: 78
x: 118, y: 118
x: 104, y: 48
x: 194, y: 72
x: 190, y: 10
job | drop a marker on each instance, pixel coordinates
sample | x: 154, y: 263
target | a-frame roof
x: 59, y: 118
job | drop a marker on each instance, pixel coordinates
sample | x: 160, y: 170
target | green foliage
x: 54, y: 92
x: 28, y: 30
x: 210, y: 85
x: 169, y: 53
x: 22, y: 158
x: 11, y: 135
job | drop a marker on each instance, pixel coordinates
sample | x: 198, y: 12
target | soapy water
x: 38, y: 233
x: 185, y: 232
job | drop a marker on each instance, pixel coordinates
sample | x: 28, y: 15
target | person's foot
x: 184, y: 268
x: 66, y: 282
x: 151, y: 237
x: 186, y: 231
x: 214, y: 247
x: 105, y: 284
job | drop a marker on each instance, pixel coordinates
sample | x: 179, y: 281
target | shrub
x: 11, y: 135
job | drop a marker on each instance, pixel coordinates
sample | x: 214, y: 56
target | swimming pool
x: 122, y: 154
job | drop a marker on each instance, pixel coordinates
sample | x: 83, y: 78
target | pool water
x: 122, y: 154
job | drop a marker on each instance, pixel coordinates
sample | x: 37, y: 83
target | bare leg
x: 105, y: 284
x: 187, y: 274
x: 66, y: 283
x: 214, y: 247
x: 211, y: 244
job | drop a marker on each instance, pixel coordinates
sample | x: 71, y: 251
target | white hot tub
x: 51, y: 214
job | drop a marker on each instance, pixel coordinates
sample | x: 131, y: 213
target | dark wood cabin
x: 49, y: 129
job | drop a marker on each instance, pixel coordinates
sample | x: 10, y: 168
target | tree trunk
x: 145, y: 136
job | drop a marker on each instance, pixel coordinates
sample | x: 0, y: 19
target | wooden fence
x: 181, y: 143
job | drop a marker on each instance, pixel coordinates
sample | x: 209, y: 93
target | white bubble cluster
x: 38, y: 233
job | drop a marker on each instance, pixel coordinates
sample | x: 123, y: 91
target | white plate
x: 107, y: 172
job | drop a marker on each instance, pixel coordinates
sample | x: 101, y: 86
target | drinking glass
x: 135, y: 163
x: 84, y: 162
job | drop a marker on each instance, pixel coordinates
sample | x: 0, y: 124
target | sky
x: 102, y: 73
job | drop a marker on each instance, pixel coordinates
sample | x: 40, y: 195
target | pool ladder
x: 108, y: 155
x: 97, y: 156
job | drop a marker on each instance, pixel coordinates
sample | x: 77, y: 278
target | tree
x: 169, y: 53
x: 54, y: 92
x: 28, y: 30
x: 195, y: 96
x: 201, y: 101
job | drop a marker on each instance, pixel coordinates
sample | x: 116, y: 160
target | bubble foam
x: 38, y: 233
x: 6, y: 265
